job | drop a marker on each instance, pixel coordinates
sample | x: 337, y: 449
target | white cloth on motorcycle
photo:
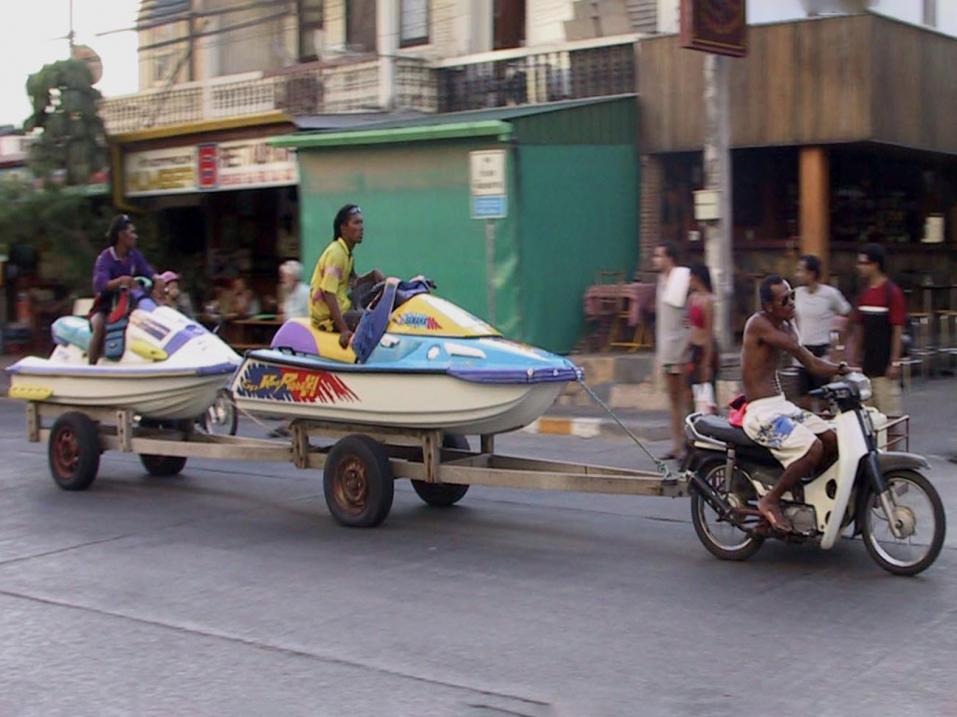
x: 787, y: 430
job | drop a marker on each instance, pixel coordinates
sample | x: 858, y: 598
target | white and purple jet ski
x: 164, y: 364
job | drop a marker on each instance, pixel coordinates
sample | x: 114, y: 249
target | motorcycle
x: 885, y: 494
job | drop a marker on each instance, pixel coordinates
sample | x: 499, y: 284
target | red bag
x: 739, y: 407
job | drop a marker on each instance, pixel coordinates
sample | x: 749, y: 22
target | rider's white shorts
x: 787, y: 430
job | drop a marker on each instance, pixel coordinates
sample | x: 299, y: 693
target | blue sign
x: 493, y: 206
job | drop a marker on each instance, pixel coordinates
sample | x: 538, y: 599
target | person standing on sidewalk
x: 878, y: 324
x: 816, y: 306
x: 671, y: 339
x: 703, y: 356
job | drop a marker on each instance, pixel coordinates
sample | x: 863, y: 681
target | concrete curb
x: 605, y: 428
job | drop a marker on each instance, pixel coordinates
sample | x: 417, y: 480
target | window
x: 413, y: 22
x: 361, y: 25
x: 508, y: 24
x: 310, y: 21
x: 162, y: 66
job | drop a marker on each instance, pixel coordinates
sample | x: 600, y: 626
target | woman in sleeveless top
x: 702, y: 346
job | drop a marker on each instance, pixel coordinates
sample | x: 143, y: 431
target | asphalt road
x: 230, y: 591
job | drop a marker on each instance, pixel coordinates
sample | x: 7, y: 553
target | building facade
x: 840, y: 133
x: 220, y: 78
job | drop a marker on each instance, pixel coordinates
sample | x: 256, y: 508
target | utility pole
x: 71, y: 35
x: 717, y: 179
x: 720, y: 31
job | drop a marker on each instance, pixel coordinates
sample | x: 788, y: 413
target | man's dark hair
x: 670, y: 250
x: 812, y: 264
x: 342, y: 216
x: 874, y: 254
x: 118, y: 224
x: 703, y: 274
x: 767, y: 288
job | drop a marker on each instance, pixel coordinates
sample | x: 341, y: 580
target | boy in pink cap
x: 173, y: 297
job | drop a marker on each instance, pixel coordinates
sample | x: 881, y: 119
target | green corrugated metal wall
x: 573, y: 209
x: 610, y: 122
x: 415, y: 202
x: 579, y: 215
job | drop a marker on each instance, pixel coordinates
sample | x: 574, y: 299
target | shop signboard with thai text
x: 160, y: 171
x: 211, y: 166
x: 256, y: 163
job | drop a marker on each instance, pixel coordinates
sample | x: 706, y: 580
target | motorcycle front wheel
x: 919, y: 515
x: 721, y: 537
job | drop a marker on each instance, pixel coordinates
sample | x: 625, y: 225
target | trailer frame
x: 414, y: 454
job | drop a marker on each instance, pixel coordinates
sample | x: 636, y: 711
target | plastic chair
x: 922, y: 351
x: 606, y: 310
x: 947, y: 337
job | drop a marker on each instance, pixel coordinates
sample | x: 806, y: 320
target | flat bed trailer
x: 359, y: 468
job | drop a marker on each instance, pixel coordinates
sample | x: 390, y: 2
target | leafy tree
x: 72, y: 143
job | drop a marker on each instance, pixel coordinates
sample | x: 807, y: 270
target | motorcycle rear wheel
x: 721, y: 538
x: 920, y: 504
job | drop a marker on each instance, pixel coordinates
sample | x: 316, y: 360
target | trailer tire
x: 444, y: 495
x: 74, y: 451
x: 162, y: 465
x: 358, y: 483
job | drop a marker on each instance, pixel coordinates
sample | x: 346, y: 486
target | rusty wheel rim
x: 66, y: 452
x: 351, y: 486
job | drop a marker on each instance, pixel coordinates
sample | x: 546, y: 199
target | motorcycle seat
x: 718, y: 428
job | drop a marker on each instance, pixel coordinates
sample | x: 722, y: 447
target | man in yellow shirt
x: 330, y: 305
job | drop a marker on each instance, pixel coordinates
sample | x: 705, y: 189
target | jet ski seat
x: 301, y: 336
x: 73, y: 330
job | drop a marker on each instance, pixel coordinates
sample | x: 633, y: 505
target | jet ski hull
x: 150, y: 393
x: 407, y: 399
x: 171, y: 367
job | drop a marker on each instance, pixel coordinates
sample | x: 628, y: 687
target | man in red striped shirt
x: 879, y: 317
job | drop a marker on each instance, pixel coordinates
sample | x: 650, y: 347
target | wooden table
x: 253, y: 333
x: 622, y: 305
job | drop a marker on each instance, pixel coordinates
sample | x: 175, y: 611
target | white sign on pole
x: 488, y: 184
x: 707, y: 205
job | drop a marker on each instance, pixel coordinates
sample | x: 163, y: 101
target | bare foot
x: 772, y: 512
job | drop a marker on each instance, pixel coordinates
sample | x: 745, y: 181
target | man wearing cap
x: 174, y: 298
x: 115, y: 268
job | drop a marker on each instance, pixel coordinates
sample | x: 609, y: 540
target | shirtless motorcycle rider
x: 801, y: 441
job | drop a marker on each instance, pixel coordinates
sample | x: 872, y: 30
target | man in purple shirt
x: 114, y: 270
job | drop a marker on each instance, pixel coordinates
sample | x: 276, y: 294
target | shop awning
x: 489, y: 128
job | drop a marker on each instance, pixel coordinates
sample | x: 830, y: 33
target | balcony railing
x: 532, y: 75
x: 587, y: 68
x: 306, y: 89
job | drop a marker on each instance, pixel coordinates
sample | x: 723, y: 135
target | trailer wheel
x: 162, y: 465
x: 74, y: 451
x: 358, y: 482
x: 443, y: 495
